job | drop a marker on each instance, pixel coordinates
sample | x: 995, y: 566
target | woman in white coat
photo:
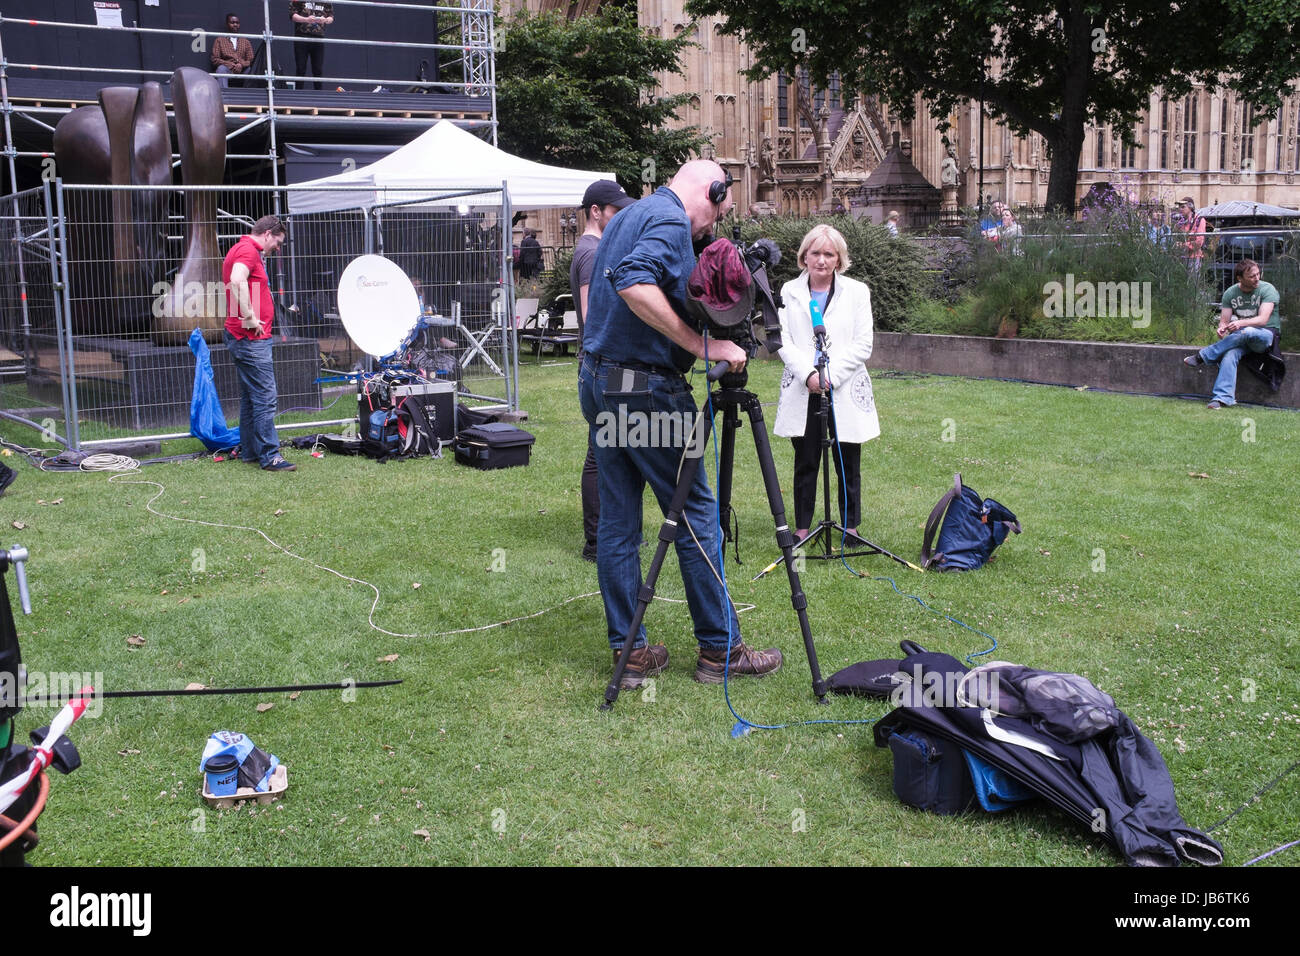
x: 846, y: 311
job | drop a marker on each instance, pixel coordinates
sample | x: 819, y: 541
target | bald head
x: 691, y: 185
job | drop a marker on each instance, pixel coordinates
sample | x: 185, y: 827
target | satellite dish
x: 377, y: 304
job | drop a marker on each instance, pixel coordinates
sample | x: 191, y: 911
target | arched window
x: 1248, y: 136
x: 1191, y: 124
x: 1164, y: 134
x: 1225, y: 133
x: 1128, y: 155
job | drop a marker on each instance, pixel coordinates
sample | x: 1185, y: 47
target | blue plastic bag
x: 207, y: 421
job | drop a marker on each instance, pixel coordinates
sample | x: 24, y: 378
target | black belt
x: 635, y: 366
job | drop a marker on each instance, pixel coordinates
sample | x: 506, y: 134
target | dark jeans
x: 304, y: 50
x: 625, y: 465
x: 807, y: 465
x: 257, y: 398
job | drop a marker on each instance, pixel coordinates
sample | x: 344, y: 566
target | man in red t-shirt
x: 249, y: 312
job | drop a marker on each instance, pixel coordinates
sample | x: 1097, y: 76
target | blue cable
x: 742, y: 727
x: 872, y: 577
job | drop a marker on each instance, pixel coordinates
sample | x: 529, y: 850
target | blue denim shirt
x: 648, y: 243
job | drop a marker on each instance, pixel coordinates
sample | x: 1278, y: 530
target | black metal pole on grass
x: 213, y: 691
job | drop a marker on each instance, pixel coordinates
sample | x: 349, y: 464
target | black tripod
x: 828, y: 537
x: 730, y: 398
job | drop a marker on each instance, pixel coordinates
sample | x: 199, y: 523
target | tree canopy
x: 584, y: 94
x: 1049, y: 67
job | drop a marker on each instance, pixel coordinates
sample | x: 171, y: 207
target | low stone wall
x: 1120, y: 367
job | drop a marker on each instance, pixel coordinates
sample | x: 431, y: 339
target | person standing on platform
x: 309, y: 22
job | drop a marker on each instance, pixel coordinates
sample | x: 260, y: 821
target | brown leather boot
x: 644, y: 662
x: 745, y: 662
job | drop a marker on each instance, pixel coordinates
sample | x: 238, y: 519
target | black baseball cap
x: 606, y: 192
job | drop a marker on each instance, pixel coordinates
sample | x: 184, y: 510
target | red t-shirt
x: 259, y: 287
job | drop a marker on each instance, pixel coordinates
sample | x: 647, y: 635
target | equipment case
x: 495, y: 445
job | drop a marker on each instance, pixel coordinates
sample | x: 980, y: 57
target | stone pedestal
x: 134, y: 384
x: 949, y: 215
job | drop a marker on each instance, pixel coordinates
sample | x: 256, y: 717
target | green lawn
x: 1173, y: 593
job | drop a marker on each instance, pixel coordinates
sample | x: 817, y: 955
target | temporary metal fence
x: 104, y: 286
x: 32, y: 383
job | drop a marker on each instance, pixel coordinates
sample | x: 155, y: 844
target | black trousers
x: 590, y: 501
x: 807, y: 465
x: 304, y: 50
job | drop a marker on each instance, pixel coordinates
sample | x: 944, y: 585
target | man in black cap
x: 600, y: 202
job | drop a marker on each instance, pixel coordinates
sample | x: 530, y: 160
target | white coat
x: 848, y: 335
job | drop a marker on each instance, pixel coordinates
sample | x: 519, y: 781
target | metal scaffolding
x: 270, y: 99
x: 477, y: 34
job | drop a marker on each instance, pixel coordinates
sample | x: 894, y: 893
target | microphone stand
x: 827, y: 529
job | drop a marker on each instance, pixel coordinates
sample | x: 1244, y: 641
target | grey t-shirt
x: 1247, y: 305
x: 584, y: 257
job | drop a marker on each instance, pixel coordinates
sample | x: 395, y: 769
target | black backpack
x: 971, y: 528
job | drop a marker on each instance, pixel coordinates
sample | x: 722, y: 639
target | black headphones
x: 718, y: 189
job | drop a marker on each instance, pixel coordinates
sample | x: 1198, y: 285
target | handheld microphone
x: 819, y: 327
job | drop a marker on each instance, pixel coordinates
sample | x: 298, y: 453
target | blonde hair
x: 831, y: 235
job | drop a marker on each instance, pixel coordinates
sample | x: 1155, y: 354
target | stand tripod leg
x: 730, y: 422
x: 729, y: 400
x: 784, y: 540
x: 833, y: 541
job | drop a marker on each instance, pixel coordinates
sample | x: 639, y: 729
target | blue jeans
x: 257, y: 398
x: 1228, y: 352
x: 624, y: 465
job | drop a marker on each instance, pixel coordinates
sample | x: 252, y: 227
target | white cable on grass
x: 104, y: 462
x: 346, y: 577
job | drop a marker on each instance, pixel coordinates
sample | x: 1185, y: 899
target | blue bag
x: 207, y: 421
x: 995, y: 789
x: 970, y: 530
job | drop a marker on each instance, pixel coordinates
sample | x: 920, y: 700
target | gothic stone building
x: 792, y: 149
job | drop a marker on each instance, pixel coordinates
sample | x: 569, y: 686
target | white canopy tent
x: 442, y: 160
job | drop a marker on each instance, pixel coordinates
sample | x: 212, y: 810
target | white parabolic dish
x: 377, y: 304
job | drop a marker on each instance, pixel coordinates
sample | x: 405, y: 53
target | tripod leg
x: 730, y: 422
x: 823, y: 417
x: 784, y: 539
x: 667, y: 536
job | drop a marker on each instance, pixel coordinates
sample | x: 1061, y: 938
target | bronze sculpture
x: 125, y: 141
x: 201, y: 138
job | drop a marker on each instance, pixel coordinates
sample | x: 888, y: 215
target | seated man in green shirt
x: 1248, y: 322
